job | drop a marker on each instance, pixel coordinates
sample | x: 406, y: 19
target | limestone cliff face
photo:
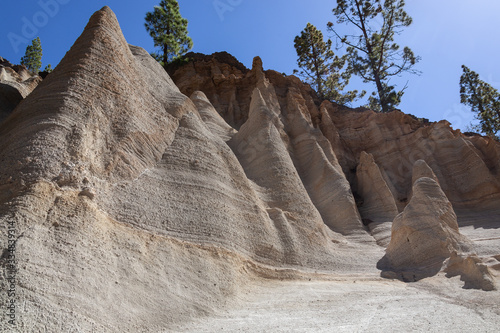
x: 137, y: 203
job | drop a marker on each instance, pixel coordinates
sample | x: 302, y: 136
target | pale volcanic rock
x: 211, y: 117
x: 228, y: 85
x: 265, y: 159
x: 293, y: 111
x: 473, y: 271
x: 138, y: 209
x: 119, y: 185
x: 85, y: 116
x: 422, y: 169
x: 105, y: 115
x: 467, y: 172
x: 377, y: 208
x: 12, y: 72
x: 466, y: 166
x: 320, y: 171
x: 331, y: 132
x: 378, y: 203
x: 223, y: 79
x: 16, y: 82
x: 425, y: 234
x: 489, y: 151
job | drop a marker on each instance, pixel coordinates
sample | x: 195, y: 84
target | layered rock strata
x: 135, y: 207
x: 116, y: 184
x: 16, y: 82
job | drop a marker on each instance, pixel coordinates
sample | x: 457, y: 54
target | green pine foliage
x: 169, y: 31
x: 48, y: 68
x: 33, y: 56
x: 321, y: 67
x: 372, y: 53
x: 483, y: 99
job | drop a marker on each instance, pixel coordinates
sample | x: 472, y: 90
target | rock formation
x: 426, y: 233
x: 135, y: 207
x: 107, y: 165
x: 16, y: 82
x: 377, y: 207
x: 395, y: 140
x: 476, y: 272
x: 426, y: 238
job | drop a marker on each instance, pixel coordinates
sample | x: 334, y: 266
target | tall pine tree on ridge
x: 373, y: 54
x: 169, y: 31
x: 33, y: 56
x: 483, y: 99
x: 321, y: 67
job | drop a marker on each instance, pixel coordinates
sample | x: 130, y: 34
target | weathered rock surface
x: 16, y: 82
x: 136, y: 208
x: 476, y: 273
x: 228, y: 84
x: 465, y: 166
x: 422, y: 169
x: 117, y: 184
x: 426, y: 238
x: 425, y: 234
x: 378, y: 208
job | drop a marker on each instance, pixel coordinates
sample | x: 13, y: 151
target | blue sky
x: 445, y: 33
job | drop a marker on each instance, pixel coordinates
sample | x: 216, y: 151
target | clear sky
x: 445, y: 33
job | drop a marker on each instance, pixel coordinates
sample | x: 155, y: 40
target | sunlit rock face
x: 139, y: 200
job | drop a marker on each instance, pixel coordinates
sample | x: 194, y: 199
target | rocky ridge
x: 381, y: 157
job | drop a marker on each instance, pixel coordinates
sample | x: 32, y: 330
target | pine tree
x: 321, y: 67
x: 483, y: 99
x: 48, y: 68
x: 33, y: 56
x: 373, y: 54
x: 169, y: 31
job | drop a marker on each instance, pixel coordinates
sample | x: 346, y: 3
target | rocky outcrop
x: 426, y: 239
x: 103, y: 118
x: 16, y: 82
x: 377, y: 206
x: 118, y: 184
x: 395, y: 140
x: 422, y: 169
x: 466, y: 170
x: 424, y: 235
x: 135, y: 207
x: 228, y: 84
x: 466, y: 167
x: 224, y: 80
x: 477, y: 273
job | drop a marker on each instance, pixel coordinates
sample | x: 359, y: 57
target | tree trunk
x: 380, y: 90
x: 373, y: 64
x: 165, y: 54
x: 316, y: 69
